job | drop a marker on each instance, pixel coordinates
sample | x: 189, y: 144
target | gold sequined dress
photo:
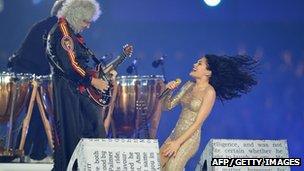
x: 190, y: 102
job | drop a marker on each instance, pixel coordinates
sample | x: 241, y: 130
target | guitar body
x: 103, y: 98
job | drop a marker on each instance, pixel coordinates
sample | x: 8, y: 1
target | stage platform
x: 29, y: 165
x: 25, y: 166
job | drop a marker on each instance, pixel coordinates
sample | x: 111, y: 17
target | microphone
x: 167, y: 90
x: 132, y: 67
x: 158, y: 62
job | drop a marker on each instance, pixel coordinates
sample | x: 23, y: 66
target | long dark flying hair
x: 231, y: 75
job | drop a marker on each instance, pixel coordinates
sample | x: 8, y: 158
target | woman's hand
x: 99, y: 84
x: 172, y: 85
x: 171, y: 148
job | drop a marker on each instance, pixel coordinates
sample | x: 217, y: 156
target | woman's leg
x: 185, y: 152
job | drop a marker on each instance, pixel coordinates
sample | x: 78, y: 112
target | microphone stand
x: 160, y: 62
x: 163, y: 72
x: 133, y: 67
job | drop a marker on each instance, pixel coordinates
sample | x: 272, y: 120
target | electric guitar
x: 103, y: 98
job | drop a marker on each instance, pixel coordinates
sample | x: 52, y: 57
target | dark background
x: 183, y: 30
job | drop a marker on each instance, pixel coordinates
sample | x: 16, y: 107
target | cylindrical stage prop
x: 14, y: 94
x: 18, y: 94
x: 137, y: 109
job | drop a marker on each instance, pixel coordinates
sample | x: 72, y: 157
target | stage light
x: 212, y: 3
x: 1, y: 5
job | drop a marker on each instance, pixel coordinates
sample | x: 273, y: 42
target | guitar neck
x: 113, y: 65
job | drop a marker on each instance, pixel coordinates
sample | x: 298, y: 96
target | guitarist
x: 76, y: 115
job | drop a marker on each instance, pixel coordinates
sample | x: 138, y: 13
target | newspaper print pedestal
x: 233, y: 148
x: 116, y: 155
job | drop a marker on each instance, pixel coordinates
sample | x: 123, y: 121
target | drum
x: 136, y: 111
x: 14, y: 94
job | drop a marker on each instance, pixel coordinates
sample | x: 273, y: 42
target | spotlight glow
x: 35, y: 2
x: 212, y: 3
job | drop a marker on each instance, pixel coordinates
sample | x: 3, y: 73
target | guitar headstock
x: 128, y: 50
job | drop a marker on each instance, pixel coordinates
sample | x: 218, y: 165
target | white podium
x: 233, y: 148
x: 116, y: 155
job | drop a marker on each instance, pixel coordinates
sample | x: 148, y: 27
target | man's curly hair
x: 75, y: 11
x: 56, y: 7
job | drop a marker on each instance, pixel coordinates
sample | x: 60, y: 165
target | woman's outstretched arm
x: 170, y: 102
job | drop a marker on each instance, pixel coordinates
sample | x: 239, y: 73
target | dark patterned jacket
x: 69, y: 55
x: 31, y: 57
